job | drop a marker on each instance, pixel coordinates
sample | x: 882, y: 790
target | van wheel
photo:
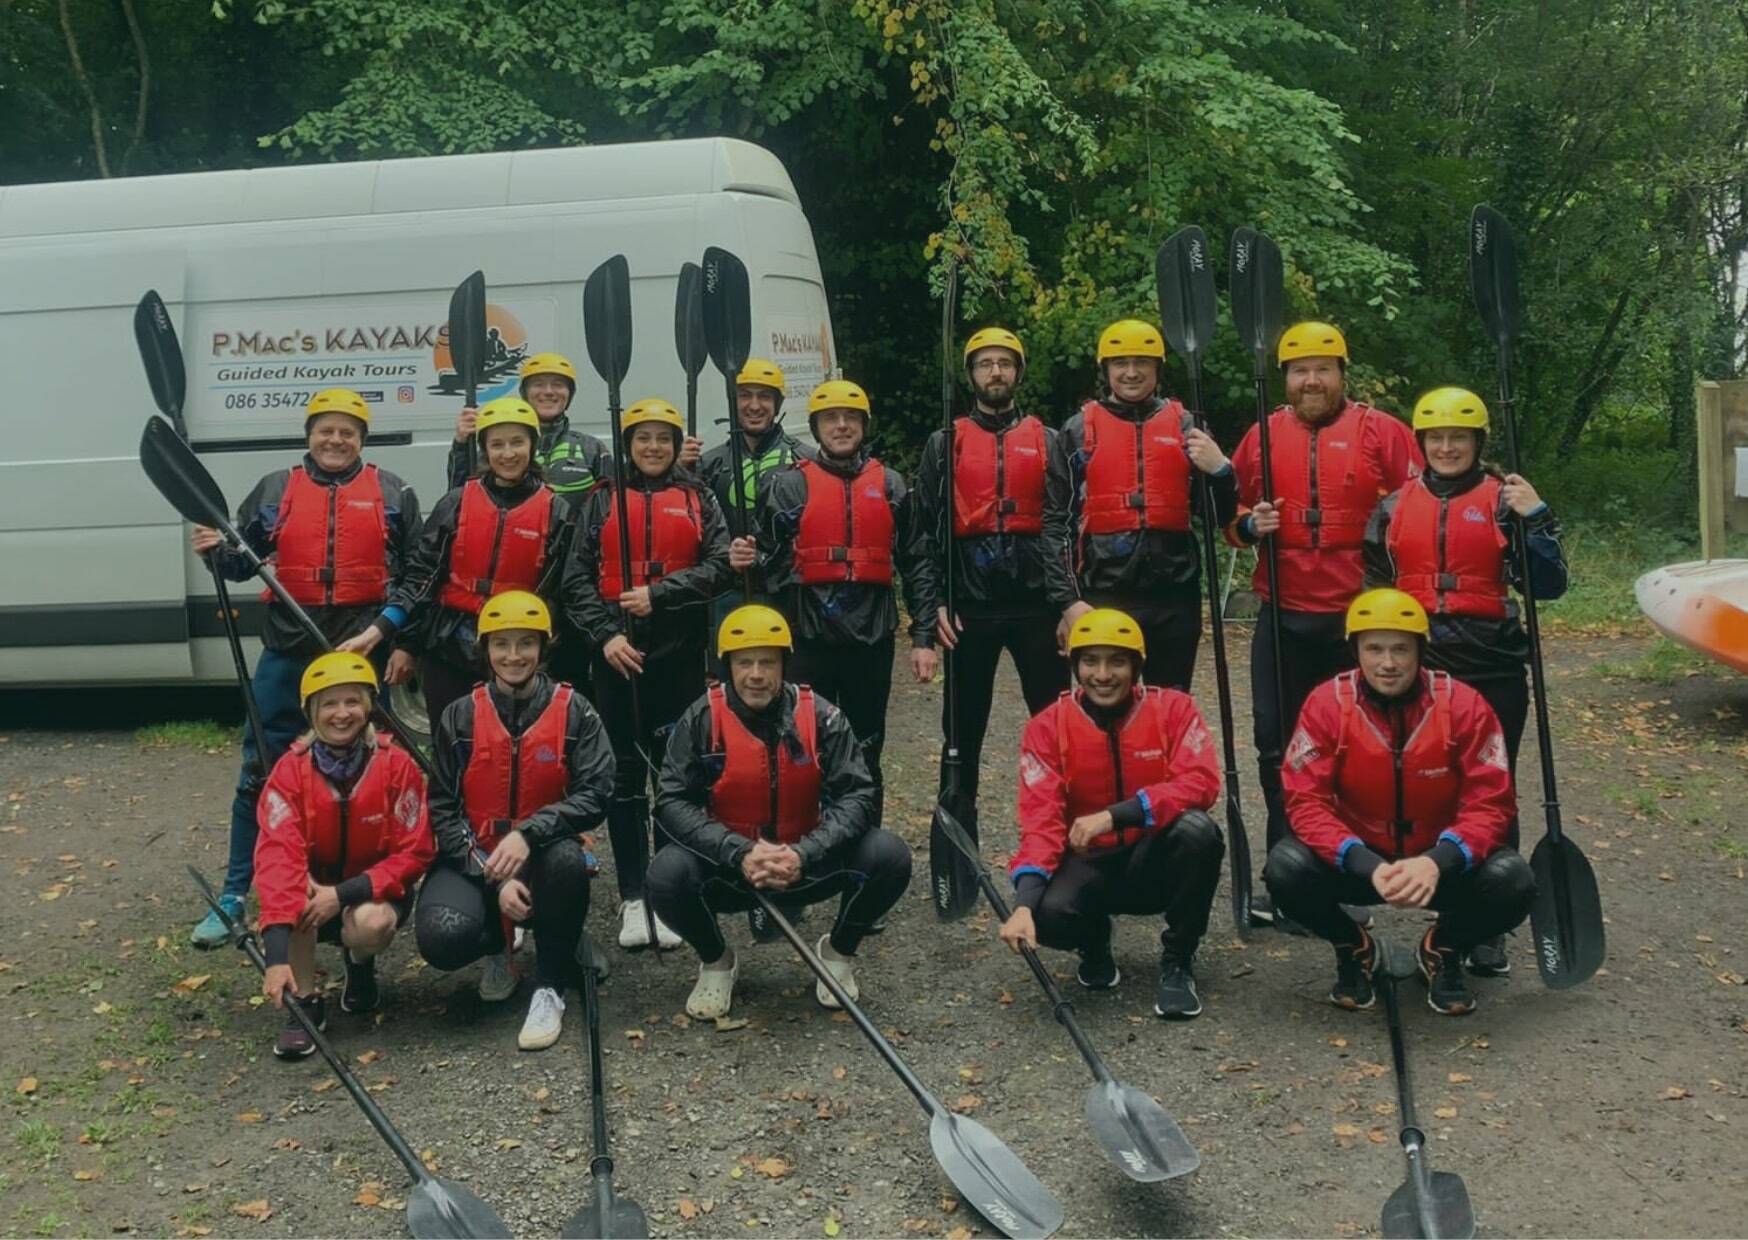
x: 408, y: 704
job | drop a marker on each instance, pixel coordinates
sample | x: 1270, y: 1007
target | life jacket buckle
x: 838, y: 555
x: 1135, y: 500
x: 1447, y: 581
x: 325, y: 576
x: 1313, y: 516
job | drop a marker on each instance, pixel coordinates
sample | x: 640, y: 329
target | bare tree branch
x: 139, y: 38
x: 84, y: 81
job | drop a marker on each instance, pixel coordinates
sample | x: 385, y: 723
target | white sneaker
x: 842, y: 969
x: 713, y: 996
x: 498, y: 982
x: 545, y: 1019
x: 634, y: 927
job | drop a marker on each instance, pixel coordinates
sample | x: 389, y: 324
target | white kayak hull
x: 1703, y: 605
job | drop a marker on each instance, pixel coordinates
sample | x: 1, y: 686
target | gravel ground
x: 143, y: 1096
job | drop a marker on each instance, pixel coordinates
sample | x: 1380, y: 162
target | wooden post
x: 1708, y: 400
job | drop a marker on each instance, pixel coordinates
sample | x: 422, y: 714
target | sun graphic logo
x: 506, y: 348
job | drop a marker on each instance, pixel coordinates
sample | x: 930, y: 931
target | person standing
x: 649, y: 621
x: 1332, y: 458
x: 1001, y: 490
x: 1128, y: 462
x: 1449, y: 539
x: 339, y: 532
x: 759, y: 392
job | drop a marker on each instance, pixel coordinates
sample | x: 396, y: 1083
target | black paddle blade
x: 1444, y: 1213
x: 1185, y: 279
x: 728, y: 311
x: 180, y: 477
x: 440, y: 1209
x: 1257, y: 297
x: 162, y: 354
x: 606, y: 1216
x: 607, y: 320
x: 1493, y: 275
x: 1237, y: 859
x: 1137, y: 1135
x: 467, y: 329
x: 992, y: 1178
x: 952, y: 871
x: 689, y: 320
x: 1566, y: 918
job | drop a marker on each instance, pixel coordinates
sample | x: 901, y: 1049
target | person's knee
x: 1291, y: 867
x: 563, y: 866
x: 448, y: 936
x: 886, y: 857
x: 1507, y: 879
x: 670, y: 877
x: 1196, y: 835
x: 369, y: 928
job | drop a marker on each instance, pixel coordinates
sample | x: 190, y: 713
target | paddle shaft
x: 1412, y: 1138
x: 918, y: 1090
x: 602, y: 1164
x: 1271, y: 551
x: 1238, y: 841
x: 737, y: 464
x: 949, y: 575
x: 235, y: 641
x: 691, y: 404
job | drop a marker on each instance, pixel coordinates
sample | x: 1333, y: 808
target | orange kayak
x: 1702, y: 605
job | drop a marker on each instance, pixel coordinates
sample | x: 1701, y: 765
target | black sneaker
x: 1098, y: 967
x: 1488, y: 959
x: 294, y: 1042
x: 359, y: 994
x: 1177, y: 998
x: 1447, y: 989
x: 1353, y: 974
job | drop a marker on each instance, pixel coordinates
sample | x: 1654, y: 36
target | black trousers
x: 457, y: 919
x: 1031, y: 642
x: 868, y: 875
x: 1172, y: 632
x: 1472, y: 905
x: 1173, y: 871
x: 669, y: 684
x: 857, y: 679
x: 572, y: 662
x: 1315, y: 651
x: 442, y: 682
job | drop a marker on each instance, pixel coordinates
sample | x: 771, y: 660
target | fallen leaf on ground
x: 27, y: 1085
x: 249, y: 1117
x: 1459, y: 1078
x: 1345, y: 1130
x: 323, y: 1086
x: 1004, y: 997
x: 688, y: 1209
x: 1675, y: 1093
x: 774, y: 1168
x: 839, y: 1073
x: 369, y: 1194
x: 84, y: 1174
x: 508, y: 1143
x: 1445, y: 1112
x: 189, y: 985
x: 959, y: 1233
x: 260, y: 1211
x: 831, y: 1225
x: 724, y: 1024
x: 369, y: 1057
x: 1377, y: 1136
x: 967, y: 1103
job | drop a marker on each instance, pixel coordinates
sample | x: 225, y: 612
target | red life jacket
x: 1325, y: 486
x: 1365, y: 772
x: 1101, y: 769
x: 998, y: 478
x: 330, y: 543
x: 751, y: 799
x: 1137, y: 473
x: 495, y: 549
x: 347, y: 834
x: 509, y: 777
x: 846, y: 527
x: 1450, y: 553
x: 670, y: 528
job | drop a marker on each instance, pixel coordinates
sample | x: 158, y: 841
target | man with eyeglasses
x: 1000, y: 496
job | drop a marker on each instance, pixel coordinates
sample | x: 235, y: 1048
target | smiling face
x: 514, y: 656
x: 339, y: 714
x: 1388, y: 660
x: 508, y: 451
x: 1132, y: 379
x: 757, y: 675
x: 995, y: 372
x: 335, y: 440
x: 1316, y: 387
x: 1106, y: 673
x: 1451, y: 450
x: 651, y: 445
x: 756, y: 406
x: 839, y: 431
x: 549, y: 394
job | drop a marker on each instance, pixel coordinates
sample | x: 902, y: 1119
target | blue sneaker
x: 211, y: 931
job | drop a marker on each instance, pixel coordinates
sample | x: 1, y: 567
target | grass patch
x: 203, y: 734
x: 38, y: 1139
x: 1663, y: 664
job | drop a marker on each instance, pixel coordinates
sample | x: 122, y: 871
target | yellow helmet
x: 549, y: 364
x: 337, y: 400
x: 335, y: 668
x: 1387, y: 609
x: 752, y: 627
x: 514, y: 609
x: 838, y: 394
x: 652, y: 410
x: 994, y: 338
x: 1106, y: 626
x: 1131, y: 338
x: 507, y: 411
x: 1450, y: 406
x: 1311, y: 339
x: 764, y: 374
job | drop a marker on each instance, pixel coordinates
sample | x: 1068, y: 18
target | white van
x: 284, y: 281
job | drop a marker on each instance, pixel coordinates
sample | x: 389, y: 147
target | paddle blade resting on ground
x: 607, y: 320
x: 180, y: 477
x: 443, y: 1210
x: 1570, y: 943
x: 606, y: 1217
x: 992, y: 1179
x: 1444, y: 1211
x: 1137, y: 1135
